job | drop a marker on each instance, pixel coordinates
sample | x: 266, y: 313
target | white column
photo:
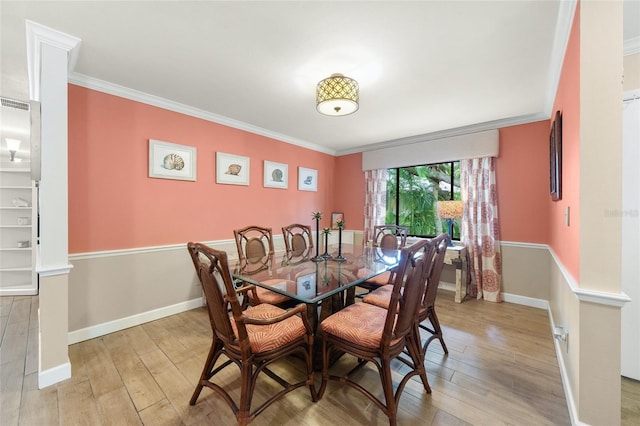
x: 598, y: 337
x: 48, y: 60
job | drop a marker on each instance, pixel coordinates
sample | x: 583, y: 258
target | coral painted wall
x: 350, y: 189
x: 522, y: 175
x: 113, y: 204
x: 565, y: 240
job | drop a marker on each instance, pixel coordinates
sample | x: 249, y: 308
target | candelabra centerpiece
x: 326, y: 232
x: 317, y: 216
x: 340, y: 257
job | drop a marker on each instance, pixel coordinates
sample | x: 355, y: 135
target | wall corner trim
x: 37, y: 35
x: 524, y: 245
x: 592, y: 296
x: 54, y: 375
x: 50, y: 271
x: 602, y: 298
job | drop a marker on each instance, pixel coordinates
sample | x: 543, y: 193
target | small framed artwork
x: 232, y: 169
x: 306, y: 285
x: 335, y: 218
x: 555, y: 158
x: 171, y: 161
x: 276, y: 175
x: 307, y: 179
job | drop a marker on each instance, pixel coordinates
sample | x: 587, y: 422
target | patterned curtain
x: 375, y: 200
x: 480, y: 227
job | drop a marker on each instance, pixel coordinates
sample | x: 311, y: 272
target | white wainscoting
x: 117, y: 289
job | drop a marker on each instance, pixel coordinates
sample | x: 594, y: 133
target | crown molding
x: 138, y: 96
x: 631, y: 46
x: 566, y: 12
x: 37, y: 35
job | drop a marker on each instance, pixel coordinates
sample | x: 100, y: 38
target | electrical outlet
x: 567, y: 215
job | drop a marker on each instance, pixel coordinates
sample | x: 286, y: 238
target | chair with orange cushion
x: 391, y: 237
x: 252, y: 339
x: 377, y: 335
x: 256, y: 254
x: 298, y: 243
x: 427, y: 311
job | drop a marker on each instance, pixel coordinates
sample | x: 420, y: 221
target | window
x: 412, y: 195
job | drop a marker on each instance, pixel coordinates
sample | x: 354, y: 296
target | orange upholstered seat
x: 379, y: 336
x: 249, y: 340
x: 268, y: 337
x: 427, y: 309
x: 360, y: 323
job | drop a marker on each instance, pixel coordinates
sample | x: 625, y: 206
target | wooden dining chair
x: 256, y: 254
x: 377, y: 335
x: 387, y: 237
x: 298, y: 243
x: 427, y: 310
x: 252, y: 339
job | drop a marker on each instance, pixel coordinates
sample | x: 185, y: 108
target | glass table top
x: 310, y: 281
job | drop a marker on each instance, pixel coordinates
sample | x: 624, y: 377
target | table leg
x: 461, y: 279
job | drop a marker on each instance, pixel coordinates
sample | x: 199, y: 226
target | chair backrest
x: 255, y: 248
x: 298, y: 242
x: 390, y: 236
x: 415, y: 264
x: 441, y: 242
x: 212, y: 268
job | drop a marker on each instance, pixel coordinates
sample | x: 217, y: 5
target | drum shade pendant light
x: 337, y: 95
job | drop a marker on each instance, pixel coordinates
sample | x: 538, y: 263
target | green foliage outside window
x: 412, y: 195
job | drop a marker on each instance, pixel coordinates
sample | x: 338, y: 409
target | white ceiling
x: 424, y: 67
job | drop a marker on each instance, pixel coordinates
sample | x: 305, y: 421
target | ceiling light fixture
x: 337, y: 95
x: 14, y: 146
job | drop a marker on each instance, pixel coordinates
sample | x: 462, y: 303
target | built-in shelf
x: 17, y: 266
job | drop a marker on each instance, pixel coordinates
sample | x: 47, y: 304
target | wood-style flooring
x: 501, y: 369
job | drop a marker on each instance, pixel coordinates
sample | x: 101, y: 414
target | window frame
x: 396, y: 172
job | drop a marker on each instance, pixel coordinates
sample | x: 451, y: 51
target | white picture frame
x: 276, y: 175
x: 172, y: 161
x: 232, y: 169
x: 307, y: 179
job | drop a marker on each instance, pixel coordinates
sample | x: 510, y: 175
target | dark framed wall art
x: 555, y: 158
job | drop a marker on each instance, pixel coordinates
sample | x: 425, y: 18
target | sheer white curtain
x: 375, y: 200
x: 480, y: 226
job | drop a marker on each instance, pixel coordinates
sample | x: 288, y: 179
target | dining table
x: 325, y: 284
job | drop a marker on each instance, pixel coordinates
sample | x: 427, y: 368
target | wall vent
x: 6, y: 102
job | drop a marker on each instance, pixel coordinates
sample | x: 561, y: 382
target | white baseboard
x: 131, y: 321
x: 571, y: 403
x: 526, y: 301
x: 447, y: 286
x: 54, y: 375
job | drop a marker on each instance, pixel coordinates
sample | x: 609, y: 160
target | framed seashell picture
x: 171, y: 161
x: 232, y: 169
x: 307, y: 179
x: 276, y: 175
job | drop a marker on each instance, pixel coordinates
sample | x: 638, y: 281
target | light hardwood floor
x: 501, y: 369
